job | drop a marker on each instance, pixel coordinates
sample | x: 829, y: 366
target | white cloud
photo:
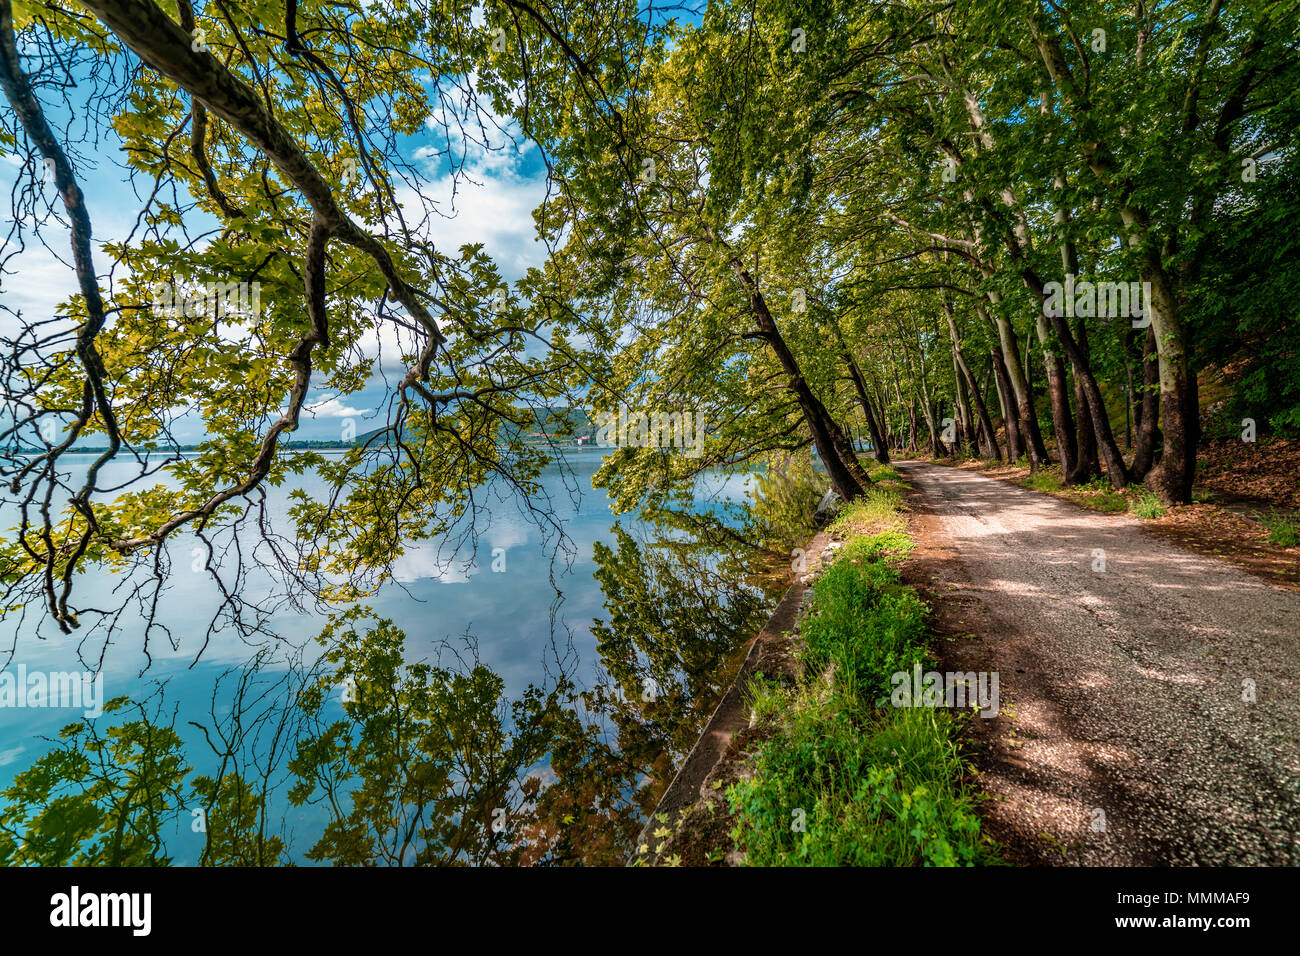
x: 36, y: 283
x: 329, y: 406
x: 427, y: 562
x: 498, y: 214
x: 488, y: 199
x: 506, y: 533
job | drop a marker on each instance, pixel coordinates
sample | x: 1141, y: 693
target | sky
x: 492, y: 204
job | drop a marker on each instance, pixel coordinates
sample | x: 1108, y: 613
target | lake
x: 526, y: 705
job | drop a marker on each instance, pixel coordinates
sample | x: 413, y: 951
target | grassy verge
x: 842, y: 777
x: 1283, y: 530
x: 1097, y: 494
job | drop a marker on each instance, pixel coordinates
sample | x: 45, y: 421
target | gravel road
x: 1128, y: 733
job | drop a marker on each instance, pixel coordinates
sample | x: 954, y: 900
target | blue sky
x: 492, y: 204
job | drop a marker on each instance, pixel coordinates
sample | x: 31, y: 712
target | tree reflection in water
x: 412, y: 763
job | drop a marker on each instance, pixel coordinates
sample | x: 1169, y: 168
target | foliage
x: 844, y: 779
x: 1283, y: 529
x: 785, y: 498
x: 111, y: 790
x: 1147, y: 505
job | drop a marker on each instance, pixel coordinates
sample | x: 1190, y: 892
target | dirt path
x: 1121, y: 690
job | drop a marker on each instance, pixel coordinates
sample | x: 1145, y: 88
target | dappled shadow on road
x: 1122, y: 688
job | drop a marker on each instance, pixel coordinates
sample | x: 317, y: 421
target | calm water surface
x: 638, y: 608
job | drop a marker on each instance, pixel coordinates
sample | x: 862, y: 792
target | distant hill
x: 558, y: 425
x: 569, y: 425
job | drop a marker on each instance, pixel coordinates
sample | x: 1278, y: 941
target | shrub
x: 845, y: 779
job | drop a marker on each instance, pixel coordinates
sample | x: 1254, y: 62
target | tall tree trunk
x: 1086, y: 464
x: 989, y: 446
x: 938, y: 417
x: 965, y: 429
x: 1030, y: 416
x: 844, y: 446
x: 1007, y: 401
x: 1031, y: 438
x: 1058, y: 393
x: 988, y: 439
x: 936, y: 446
x: 1066, y: 436
x: 878, y: 403
x: 827, y: 435
x: 1016, y: 244
x: 878, y: 446
x: 937, y: 449
x: 1116, y: 470
x: 907, y: 425
x: 1148, y: 412
x: 1130, y: 405
x: 1179, y: 417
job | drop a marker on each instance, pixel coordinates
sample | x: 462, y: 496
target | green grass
x: 878, y: 506
x: 1108, y: 500
x: 882, y: 794
x: 866, y: 625
x: 1097, y: 494
x: 764, y: 698
x: 1043, y: 480
x: 1147, y: 504
x: 844, y: 779
x: 1283, y: 529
